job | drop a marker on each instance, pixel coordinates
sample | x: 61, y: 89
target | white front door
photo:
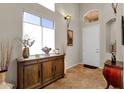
x: 91, y: 45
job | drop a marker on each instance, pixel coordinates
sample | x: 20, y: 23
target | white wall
x: 73, y: 53
x: 115, y: 27
x: 123, y: 15
x: 11, y: 16
x: 106, y: 13
x: 123, y: 45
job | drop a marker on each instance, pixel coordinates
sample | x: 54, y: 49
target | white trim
x: 78, y: 64
x: 72, y: 65
x: 101, y: 67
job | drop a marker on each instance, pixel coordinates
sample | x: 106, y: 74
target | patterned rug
x: 80, y: 77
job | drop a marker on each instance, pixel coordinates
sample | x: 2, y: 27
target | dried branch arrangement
x: 114, y: 7
x: 27, y: 42
x: 5, y: 55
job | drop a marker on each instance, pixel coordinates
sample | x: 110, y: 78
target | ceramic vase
x: 3, y: 83
x: 2, y: 78
x: 26, y: 52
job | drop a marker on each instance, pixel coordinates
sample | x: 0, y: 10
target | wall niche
x: 110, y: 34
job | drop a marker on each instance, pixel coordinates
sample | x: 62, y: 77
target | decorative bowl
x: 46, y: 50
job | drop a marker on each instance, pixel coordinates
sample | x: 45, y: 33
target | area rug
x: 80, y: 77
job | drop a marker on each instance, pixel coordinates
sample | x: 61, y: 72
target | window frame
x: 40, y: 26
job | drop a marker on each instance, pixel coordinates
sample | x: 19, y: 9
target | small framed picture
x: 69, y: 37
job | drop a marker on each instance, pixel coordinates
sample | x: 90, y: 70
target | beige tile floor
x: 80, y: 77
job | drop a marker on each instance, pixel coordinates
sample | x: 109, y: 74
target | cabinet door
x: 32, y: 74
x: 47, y: 71
x: 59, y: 66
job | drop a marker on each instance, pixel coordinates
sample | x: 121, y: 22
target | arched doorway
x: 91, y: 38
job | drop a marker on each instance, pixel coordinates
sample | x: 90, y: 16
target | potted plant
x: 27, y: 42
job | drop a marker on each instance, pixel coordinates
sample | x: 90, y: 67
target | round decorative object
x: 57, y: 51
x: 26, y: 52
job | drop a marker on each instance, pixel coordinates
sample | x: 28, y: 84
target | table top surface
x: 119, y: 64
x: 42, y: 56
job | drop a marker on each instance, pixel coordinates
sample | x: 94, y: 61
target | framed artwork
x: 69, y: 37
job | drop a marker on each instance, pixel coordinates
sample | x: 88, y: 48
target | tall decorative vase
x: 26, y: 52
x: 2, y: 79
x: 3, y: 83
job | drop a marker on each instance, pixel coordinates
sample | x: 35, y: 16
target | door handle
x: 97, y: 51
x: 52, y: 69
x: 55, y: 68
x: 39, y: 74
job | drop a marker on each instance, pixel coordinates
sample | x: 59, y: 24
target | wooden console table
x: 113, y: 74
x: 37, y: 72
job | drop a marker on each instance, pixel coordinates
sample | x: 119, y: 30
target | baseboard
x: 72, y: 65
x: 100, y: 67
x: 78, y: 64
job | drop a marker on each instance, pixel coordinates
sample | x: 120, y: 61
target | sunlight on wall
x: 46, y: 3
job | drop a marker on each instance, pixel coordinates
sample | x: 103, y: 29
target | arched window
x: 91, y: 16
